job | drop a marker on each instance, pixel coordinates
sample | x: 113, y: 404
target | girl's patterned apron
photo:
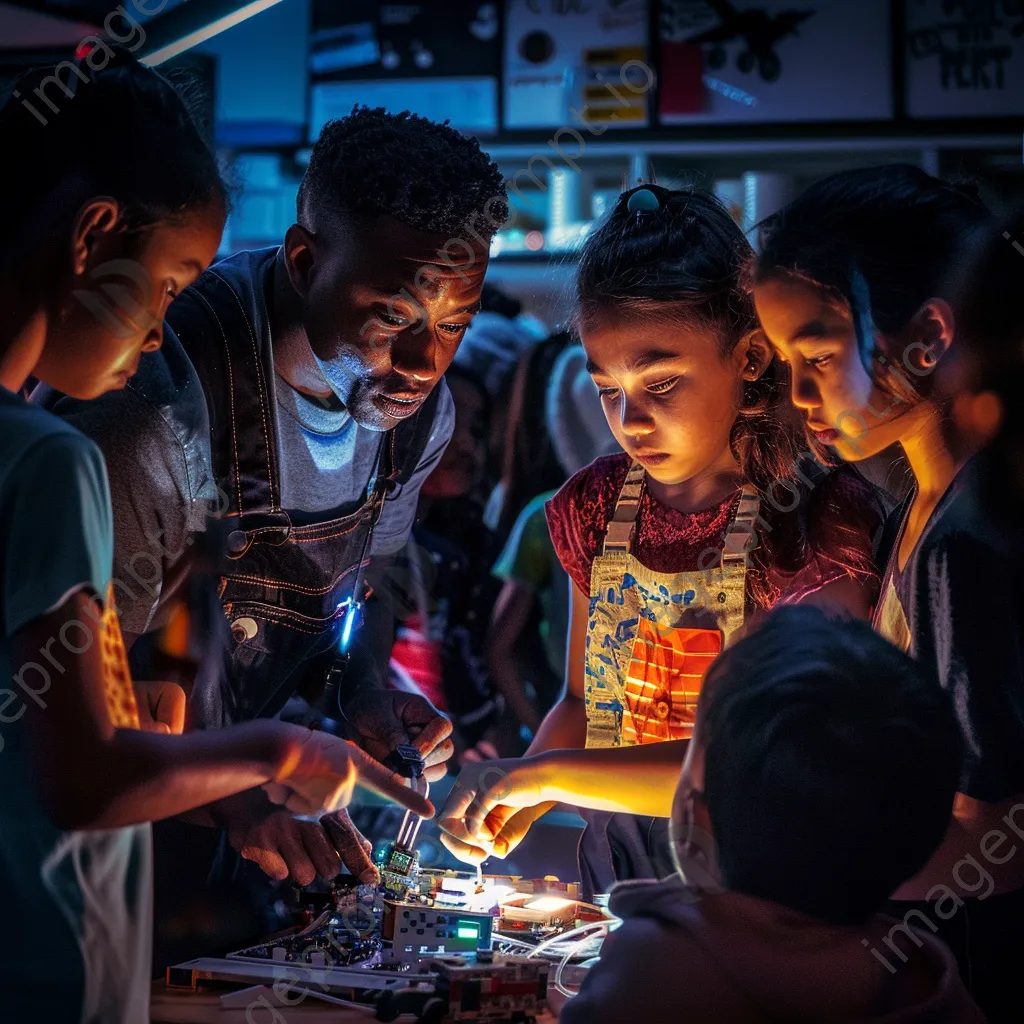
x: 650, y: 638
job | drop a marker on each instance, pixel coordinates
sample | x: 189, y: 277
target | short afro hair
x: 374, y: 163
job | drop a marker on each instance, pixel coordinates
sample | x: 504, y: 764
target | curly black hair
x: 426, y: 174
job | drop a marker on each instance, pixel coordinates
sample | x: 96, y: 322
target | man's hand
x: 284, y: 846
x: 379, y: 720
x: 161, y: 707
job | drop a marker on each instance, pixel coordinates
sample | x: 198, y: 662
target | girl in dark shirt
x: 852, y: 291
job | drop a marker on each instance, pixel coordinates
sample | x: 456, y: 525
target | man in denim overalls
x: 284, y: 430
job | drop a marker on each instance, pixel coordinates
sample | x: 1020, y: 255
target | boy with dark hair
x: 295, y: 410
x: 824, y: 765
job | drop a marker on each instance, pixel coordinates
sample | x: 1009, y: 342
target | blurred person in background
x: 983, y: 375
x: 492, y: 348
x: 530, y: 465
x: 448, y: 589
x: 534, y: 579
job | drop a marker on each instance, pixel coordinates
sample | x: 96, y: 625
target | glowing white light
x: 548, y: 904
x: 200, y: 35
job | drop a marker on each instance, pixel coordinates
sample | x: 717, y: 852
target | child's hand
x: 161, y: 707
x: 485, y: 809
x: 322, y: 770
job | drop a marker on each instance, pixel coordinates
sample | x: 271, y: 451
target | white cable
x: 504, y: 940
x: 565, y: 937
x: 568, y: 993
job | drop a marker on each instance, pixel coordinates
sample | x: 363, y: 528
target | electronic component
x: 400, y: 864
x: 544, y: 915
x: 399, y: 870
x: 344, y: 935
x: 417, y: 931
x: 445, y: 882
x: 488, y: 990
x: 510, y: 988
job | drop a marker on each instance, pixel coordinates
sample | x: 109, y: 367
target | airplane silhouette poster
x: 774, y: 60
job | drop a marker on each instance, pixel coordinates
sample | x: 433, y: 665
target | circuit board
x: 346, y: 934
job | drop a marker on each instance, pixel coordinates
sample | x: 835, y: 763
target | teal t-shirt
x: 529, y: 559
x: 76, y: 918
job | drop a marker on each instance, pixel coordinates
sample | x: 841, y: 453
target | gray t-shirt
x: 327, y: 458
x: 159, y: 506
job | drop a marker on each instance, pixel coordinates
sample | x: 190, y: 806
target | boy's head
x: 825, y: 764
x: 395, y: 218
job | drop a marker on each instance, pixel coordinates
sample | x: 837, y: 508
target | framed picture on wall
x: 965, y: 59
x: 764, y: 61
x: 576, y: 61
x: 437, y: 60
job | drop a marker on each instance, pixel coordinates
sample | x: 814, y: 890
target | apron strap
x: 618, y: 538
x: 740, y: 538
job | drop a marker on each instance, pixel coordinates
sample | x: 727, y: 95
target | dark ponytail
x: 882, y: 239
x: 83, y: 129
x: 683, y: 260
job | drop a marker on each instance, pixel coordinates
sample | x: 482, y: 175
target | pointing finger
x: 374, y: 776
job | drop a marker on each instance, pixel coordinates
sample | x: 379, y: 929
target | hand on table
x: 380, y: 720
x: 284, y: 846
x: 161, y: 707
x: 492, y: 806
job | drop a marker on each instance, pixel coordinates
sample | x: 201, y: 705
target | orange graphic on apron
x: 663, y: 681
x: 117, y: 679
x: 651, y: 636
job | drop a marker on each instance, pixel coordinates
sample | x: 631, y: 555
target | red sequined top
x: 671, y: 541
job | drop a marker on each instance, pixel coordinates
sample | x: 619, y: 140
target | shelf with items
x: 558, y: 193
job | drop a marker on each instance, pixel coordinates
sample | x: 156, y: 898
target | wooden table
x: 205, y: 1008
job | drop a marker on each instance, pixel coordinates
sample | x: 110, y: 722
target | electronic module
x: 447, y: 945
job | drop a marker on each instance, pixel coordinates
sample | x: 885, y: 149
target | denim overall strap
x: 230, y: 357
x: 282, y: 586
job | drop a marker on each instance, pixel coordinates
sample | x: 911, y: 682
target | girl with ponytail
x: 111, y: 209
x: 855, y: 290
x: 714, y: 512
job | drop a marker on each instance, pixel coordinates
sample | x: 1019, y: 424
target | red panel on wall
x: 682, y: 74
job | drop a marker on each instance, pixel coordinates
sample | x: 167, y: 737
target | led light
x: 200, y: 35
x: 346, y: 630
x: 548, y: 904
x: 468, y: 931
